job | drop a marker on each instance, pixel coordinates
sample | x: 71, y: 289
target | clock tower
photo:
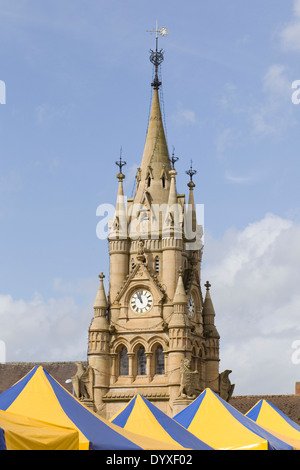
x: 153, y: 333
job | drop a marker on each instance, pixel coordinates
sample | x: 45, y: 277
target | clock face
x: 141, y: 301
x: 191, y: 306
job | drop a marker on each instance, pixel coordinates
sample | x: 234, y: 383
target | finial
x: 101, y: 276
x: 157, y: 57
x: 207, y: 285
x: 180, y: 271
x: 174, y: 159
x: 120, y: 164
x: 191, y: 173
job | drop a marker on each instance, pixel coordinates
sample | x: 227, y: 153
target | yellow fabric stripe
x: 269, y: 418
x: 214, y: 425
x: 38, y: 401
x: 22, y: 433
x: 141, y: 421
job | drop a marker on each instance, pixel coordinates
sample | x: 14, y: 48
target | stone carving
x: 83, y: 382
x: 226, y: 388
x: 140, y: 251
x: 189, y: 380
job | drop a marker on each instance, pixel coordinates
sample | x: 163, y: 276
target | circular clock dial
x: 141, y: 301
x: 191, y: 306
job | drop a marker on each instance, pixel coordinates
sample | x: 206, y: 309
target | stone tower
x: 153, y: 333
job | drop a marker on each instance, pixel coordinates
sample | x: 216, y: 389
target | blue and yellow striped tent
x: 275, y: 421
x: 223, y: 427
x: 21, y: 433
x: 142, y: 417
x: 39, y: 396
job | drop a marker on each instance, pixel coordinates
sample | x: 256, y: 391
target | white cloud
x: 255, y: 281
x: 226, y: 139
x: 290, y: 36
x: 44, y: 330
x: 46, y: 114
x: 184, y: 117
x: 275, y: 114
x: 10, y: 182
x: 230, y: 178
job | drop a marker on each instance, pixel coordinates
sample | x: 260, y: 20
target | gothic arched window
x: 123, y: 362
x: 141, y: 361
x: 159, y: 361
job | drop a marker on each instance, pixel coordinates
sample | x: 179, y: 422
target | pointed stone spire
x: 101, y: 300
x: 208, y: 314
x: 118, y: 227
x: 180, y: 297
x: 191, y: 211
x: 100, y: 322
x: 155, y: 161
x: 174, y: 215
x: 179, y: 318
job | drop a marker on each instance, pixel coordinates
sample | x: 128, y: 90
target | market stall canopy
x: 142, y: 417
x: 39, y: 396
x: 216, y: 422
x: 275, y: 421
x: 22, y: 433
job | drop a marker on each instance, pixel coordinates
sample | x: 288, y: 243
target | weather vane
x: 191, y: 172
x: 157, y: 57
x: 121, y: 163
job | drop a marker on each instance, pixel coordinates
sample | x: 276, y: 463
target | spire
x: 100, y: 322
x: 156, y: 153
x: 179, y: 318
x: 174, y: 213
x: 173, y: 193
x: 118, y: 227
x: 153, y: 174
x: 208, y: 314
x: 180, y: 295
x: 101, y: 301
x: 191, y: 213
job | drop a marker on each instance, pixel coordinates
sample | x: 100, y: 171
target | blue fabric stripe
x: 274, y: 442
x: 186, y: 416
x: 122, y: 418
x: 2, y: 440
x: 254, y: 412
x: 285, y: 417
x: 9, y: 396
x: 100, y: 435
x: 176, y: 431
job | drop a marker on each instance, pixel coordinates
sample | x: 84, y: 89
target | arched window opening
x: 132, y: 264
x: 149, y: 181
x: 163, y: 181
x: 141, y: 361
x: 123, y: 362
x: 159, y: 361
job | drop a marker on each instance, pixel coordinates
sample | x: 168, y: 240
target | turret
x: 118, y: 241
x: 98, y: 352
x: 212, y: 339
x: 180, y: 337
x: 172, y: 242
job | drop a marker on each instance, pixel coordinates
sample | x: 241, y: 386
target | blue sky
x: 77, y: 77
